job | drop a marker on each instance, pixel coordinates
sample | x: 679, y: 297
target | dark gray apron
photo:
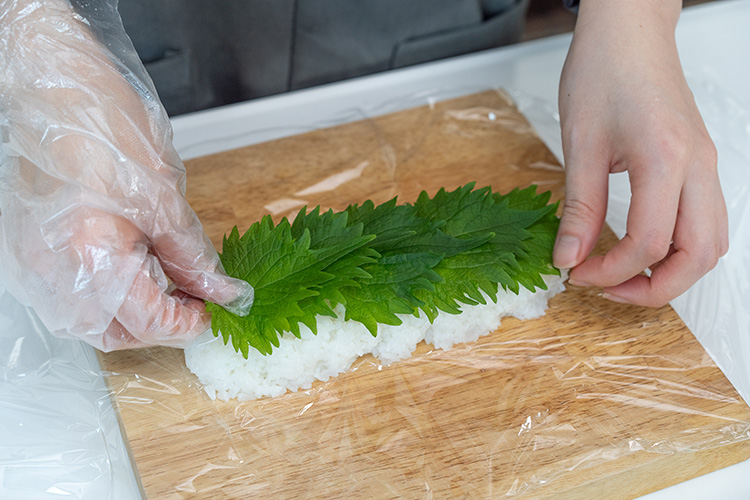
x: 202, y: 54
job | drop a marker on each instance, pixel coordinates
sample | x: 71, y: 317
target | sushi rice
x: 298, y: 362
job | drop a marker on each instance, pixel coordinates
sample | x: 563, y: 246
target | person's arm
x: 93, y: 218
x: 625, y: 106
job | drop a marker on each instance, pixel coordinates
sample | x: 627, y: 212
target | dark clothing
x: 202, y: 54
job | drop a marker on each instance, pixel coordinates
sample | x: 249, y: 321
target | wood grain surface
x: 593, y: 400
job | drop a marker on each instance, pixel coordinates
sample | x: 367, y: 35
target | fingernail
x: 615, y: 298
x: 578, y: 283
x: 242, y: 304
x: 566, y: 251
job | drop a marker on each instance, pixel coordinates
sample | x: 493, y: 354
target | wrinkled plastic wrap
x: 534, y: 409
x: 587, y: 393
x: 59, y: 436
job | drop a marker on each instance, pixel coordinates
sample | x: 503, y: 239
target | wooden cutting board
x: 593, y: 400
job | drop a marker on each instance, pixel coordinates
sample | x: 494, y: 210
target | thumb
x: 153, y: 317
x: 584, y: 209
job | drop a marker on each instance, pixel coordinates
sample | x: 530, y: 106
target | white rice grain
x: 297, y: 363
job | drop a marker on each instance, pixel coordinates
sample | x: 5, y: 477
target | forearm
x: 71, y: 107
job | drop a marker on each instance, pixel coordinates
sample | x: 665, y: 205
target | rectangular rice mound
x: 297, y: 363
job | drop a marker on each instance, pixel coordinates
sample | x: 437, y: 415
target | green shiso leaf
x: 523, y: 228
x: 383, y: 261
x: 286, y: 272
x: 410, y: 247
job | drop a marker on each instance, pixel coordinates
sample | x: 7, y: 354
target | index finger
x: 670, y: 279
x: 650, y: 228
x: 700, y: 239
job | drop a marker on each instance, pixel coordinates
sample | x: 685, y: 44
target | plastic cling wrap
x: 59, y: 436
x: 593, y: 400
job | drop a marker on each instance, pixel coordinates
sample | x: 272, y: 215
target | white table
x: 58, y: 433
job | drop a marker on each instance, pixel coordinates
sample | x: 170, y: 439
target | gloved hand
x: 92, y: 210
x: 625, y: 106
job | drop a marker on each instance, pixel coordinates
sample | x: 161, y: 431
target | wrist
x: 624, y: 38
x: 628, y: 18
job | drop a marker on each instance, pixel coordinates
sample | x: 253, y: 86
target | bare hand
x: 625, y: 106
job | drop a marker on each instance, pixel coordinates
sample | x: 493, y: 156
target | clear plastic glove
x: 92, y: 210
x: 625, y: 106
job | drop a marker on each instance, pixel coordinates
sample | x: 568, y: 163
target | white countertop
x: 58, y: 433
